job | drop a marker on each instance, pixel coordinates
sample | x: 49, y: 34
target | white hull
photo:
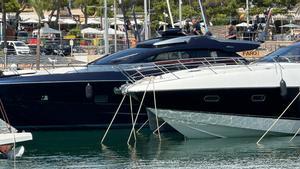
x: 10, y: 138
x: 208, y: 125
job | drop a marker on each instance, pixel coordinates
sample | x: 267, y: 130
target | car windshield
x: 284, y: 54
x: 20, y: 44
x: 23, y: 34
x: 122, y: 57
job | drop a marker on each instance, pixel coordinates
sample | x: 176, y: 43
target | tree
x: 85, y: 7
x: 39, y: 7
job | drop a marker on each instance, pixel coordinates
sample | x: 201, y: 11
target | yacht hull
x: 56, y: 104
x: 240, y: 112
x: 210, y: 125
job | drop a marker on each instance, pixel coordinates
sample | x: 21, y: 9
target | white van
x: 19, y: 47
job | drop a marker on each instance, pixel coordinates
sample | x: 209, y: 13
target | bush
x: 220, y: 19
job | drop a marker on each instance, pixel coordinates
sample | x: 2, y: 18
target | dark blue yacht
x: 84, y: 97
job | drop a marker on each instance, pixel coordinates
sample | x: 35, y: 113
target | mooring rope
x: 113, y: 119
x: 278, y: 118
x: 137, y: 115
x: 155, y: 107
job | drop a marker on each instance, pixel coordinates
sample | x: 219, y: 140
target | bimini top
x: 184, y: 47
x: 207, y: 42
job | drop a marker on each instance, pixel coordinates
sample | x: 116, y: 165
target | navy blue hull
x: 57, y: 105
x: 258, y: 102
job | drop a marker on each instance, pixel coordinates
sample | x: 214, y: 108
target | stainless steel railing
x: 137, y: 72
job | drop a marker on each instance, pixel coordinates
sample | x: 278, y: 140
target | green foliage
x: 75, y: 31
x: 39, y: 6
x: 12, y: 6
x: 220, y: 19
x: 279, y: 11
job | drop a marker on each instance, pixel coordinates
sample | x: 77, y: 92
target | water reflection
x: 82, y: 149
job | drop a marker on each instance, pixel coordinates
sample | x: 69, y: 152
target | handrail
x: 135, y: 73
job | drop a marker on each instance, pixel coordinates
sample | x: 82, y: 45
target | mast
x: 203, y: 15
x: 115, y: 25
x: 170, y: 13
x: 106, y: 44
x: 146, y: 20
x: 247, y: 12
x: 180, y: 14
x: 4, y: 32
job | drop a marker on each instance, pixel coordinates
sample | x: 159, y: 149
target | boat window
x: 211, y: 98
x: 123, y: 57
x: 101, y: 99
x: 199, y: 53
x: 258, y: 98
x: 172, y: 56
x: 284, y: 54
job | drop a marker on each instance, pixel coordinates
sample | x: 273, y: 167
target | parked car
x: 22, y: 36
x: 10, y: 49
x: 16, y: 47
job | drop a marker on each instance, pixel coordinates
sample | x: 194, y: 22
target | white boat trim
x: 262, y: 75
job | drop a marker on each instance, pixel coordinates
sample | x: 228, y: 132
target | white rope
x: 137, y: 115
x: 159, y: 127
x: 156, y: 118
x: 14, y: 150
x: 295, y: 135
x: 278, y: 118
x: 113, y: 119
x: 131, y: 112
x: 142, y: 126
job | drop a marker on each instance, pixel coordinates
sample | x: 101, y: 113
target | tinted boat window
x: 285, y: 54
x: 172, y: 56
x: 125, y: 56
x: 192, y: 54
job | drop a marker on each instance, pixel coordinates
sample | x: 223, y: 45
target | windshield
x: 20, y: 44
x: 284, y: 54
x: 123, y: 57
x: 23, y: 34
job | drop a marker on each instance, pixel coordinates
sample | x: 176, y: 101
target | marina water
x: 82, y: 149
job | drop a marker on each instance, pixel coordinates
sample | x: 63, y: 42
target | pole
x: 60, y: 34
x: 180, y: 14
x: 106, y: 29
x: 149, y: 19
x: 115, y: 26
x: 247, y: 12
x: 170, y: 13
x: 146, y: 20
x: 4, y: 33
x: 70, y: 4
x: 1, y: 30
x: 203, y: 16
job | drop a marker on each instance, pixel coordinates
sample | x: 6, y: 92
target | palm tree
x: 39, y: 7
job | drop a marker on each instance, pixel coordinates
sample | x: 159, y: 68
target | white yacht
x: 228, y: 100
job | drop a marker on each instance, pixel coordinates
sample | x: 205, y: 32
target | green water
x: 82, y: 149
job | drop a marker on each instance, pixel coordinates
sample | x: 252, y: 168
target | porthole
x: 101, y: 99
x: 211, y: 98
x: 258, y: 98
